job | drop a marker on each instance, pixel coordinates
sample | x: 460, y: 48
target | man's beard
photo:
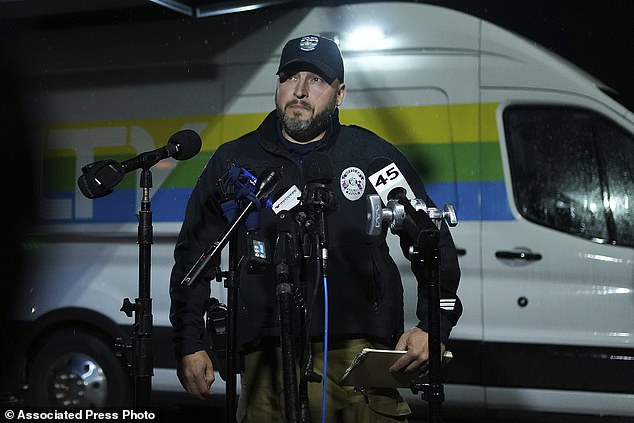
x: 306, y: 130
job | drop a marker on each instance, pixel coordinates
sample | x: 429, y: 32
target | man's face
x: 304, y: 102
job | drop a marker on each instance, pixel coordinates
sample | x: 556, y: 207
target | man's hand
x: 196, y: 374
x: 415, y: 341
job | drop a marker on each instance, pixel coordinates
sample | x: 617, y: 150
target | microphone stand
x: 232, y: 283
x: 318, y: 200
x: 99, y: 179
x: 140, y: 347
x: 426, y: 254
x: 286, y: 259
x: 423, y: 226
x: 266, y: 183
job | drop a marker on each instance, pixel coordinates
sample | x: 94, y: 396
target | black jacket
x: 365, y: 289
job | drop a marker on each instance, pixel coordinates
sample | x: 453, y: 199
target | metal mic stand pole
x: 141, y: 342
x: 420, y: 226
x: 285, y: 260
x: 426, y: 254
x: 318, y: 200
x: 232, y: 283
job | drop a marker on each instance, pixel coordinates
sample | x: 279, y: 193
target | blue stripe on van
x: 473, y: 201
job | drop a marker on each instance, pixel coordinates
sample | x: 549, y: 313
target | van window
x: 618, y: 152
x: 571, y: 172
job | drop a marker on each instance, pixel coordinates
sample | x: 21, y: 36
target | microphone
x: 264, y: 186
x: 286, y: 199
x: 182, y: 145
x: 317, y: 199
x: 318, y: 173
x: 238, y: 187
x: 403, y: 212
x: 385, y: 176
x: 258, y: 251
x: 99, y: 178
x: 318, y: 168
x: 266, y: 183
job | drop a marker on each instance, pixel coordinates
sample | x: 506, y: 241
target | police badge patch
x: 308, y: 43
x: 352, y: 183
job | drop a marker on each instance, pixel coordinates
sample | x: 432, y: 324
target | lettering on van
x: 83, y: 143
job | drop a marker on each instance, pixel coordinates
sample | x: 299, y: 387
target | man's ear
x: 341, y: 94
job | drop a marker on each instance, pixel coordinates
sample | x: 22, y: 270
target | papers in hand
x: 370, y: 369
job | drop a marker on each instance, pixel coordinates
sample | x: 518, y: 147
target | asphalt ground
x: 191, y: 410
x: 172, y: 407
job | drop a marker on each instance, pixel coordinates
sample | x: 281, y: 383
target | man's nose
x: 301, y: 87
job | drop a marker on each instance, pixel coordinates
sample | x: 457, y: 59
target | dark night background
x: 596, y: 35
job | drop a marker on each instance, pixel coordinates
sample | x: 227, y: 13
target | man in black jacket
x: 365, y: 294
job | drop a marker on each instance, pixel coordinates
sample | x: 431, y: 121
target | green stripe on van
x: 59, y: 173
x: 455, y: 162
x: 433, y: 162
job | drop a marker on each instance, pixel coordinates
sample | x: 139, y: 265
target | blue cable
x: 323, y: 394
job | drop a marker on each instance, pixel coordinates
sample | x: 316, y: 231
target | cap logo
x: 308, y: 43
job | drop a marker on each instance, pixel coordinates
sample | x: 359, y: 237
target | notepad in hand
x: 371, y: 369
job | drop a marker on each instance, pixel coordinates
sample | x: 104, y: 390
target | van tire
x: 77, y: 369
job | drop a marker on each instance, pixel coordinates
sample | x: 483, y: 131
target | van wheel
x: 75, y: 369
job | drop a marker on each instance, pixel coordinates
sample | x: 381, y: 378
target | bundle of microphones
x: 299, y: 213
x: 303, y: 213
x: 245, y: 194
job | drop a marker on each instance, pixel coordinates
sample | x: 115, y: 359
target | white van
x: 536, y: 159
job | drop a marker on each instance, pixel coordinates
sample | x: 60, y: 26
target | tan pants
x: 262, y: 395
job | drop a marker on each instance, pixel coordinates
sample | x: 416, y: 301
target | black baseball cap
x: 312, y: 52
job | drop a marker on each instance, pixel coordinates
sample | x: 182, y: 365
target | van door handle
x: 518, y: 255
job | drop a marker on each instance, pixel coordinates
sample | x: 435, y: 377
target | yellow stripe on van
x: 427, y: 124
x: 237, y: 125
x: 424, y: 124
x: 438, y: 124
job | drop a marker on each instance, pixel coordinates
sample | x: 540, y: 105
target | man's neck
x: 294, y: 141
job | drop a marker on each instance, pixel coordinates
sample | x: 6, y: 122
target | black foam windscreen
x: 377, y: 164
x: 187, y: 142
x: 318, y: 168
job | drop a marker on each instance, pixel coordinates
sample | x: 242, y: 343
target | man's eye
x: 284, y: 78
